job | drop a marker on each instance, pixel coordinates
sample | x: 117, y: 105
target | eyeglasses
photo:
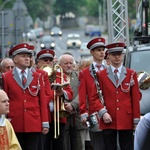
x: 46, y: 60
x: 9, y: 67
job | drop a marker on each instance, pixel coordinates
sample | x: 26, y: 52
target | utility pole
x: 102, y: 14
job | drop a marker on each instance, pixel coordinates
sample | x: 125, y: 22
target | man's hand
x: 59, y: 91
x: 69, y: 108
x: 45, y: 130
x: 84, y: 121
x: 107, y: 118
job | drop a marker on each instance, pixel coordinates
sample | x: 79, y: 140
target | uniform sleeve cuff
x: 45, y: 124
x: 83, y: 116
x: 65, y: 95
x: 136, y: 120
x: 101, y: 112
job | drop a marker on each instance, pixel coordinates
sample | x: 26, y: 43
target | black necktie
x: 116, y: 76
x: 24, y: 80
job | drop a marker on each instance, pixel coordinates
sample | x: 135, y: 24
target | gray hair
x: 61, y: 57
x: 5, y: 60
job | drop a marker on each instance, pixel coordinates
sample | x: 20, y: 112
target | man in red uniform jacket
x: 44, y: 61
x: 28, y: 110
x: 45, y: 57
x: 86, y: 78
x: 121, y: 111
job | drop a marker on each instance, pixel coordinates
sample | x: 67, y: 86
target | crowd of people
x: 51, y: 103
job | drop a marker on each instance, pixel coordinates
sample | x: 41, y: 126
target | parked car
x: 31, y: 35
x: 47, y: 42
x: 88, y: 28
x: 95, y: 31
x: 137, y: 58
x: 56, y: 31
x: 39, y: 32
x: 84, y: 51
x: 73, y: 41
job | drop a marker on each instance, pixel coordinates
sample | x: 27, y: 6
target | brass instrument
x: 58, y: 113
x: 143, y: 80
x: 50, y: 71
x: 63, y: 113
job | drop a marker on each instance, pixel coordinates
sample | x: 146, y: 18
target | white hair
x: 5, y: 60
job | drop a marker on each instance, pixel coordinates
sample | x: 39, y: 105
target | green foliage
x: 7, y: 4
x: 132, y: 9
x: 34, y: 7
x: 64, y: 6
x: 44, y: 8
x: 92, y: 7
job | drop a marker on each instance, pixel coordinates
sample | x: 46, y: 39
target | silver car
x: 47, y: 42
x: 73, y: 41
x: 137, y: 58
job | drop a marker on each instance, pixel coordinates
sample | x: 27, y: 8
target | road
x: 60, y: 42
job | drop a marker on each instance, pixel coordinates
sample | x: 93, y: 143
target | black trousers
x: 125, y: 139
x: 28, y: 140
x: 97, y: 140
x: 52, y: 143
x: 41, y: 145
x: 48, y: 138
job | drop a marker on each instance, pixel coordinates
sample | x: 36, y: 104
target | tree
x: 6, y: 4
x: 64, y: 6
x: 92, y: 7
x: 34, y: 7
x: 44, y: 8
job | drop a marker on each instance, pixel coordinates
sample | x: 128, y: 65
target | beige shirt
x: 13, y: 141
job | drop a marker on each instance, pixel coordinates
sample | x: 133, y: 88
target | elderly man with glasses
x: 41, y: 56
x: 45, y: 58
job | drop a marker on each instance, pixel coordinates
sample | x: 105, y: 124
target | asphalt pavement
x: 60, y: 42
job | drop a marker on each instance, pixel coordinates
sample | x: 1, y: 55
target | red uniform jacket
x: 28, y: 111
x: 48, y: 91
x: 86, y: 79
x: 121, y: 101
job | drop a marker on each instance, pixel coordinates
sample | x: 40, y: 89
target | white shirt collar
x: 25, y: 71
x: 103, y: 65
x: 2, y: 120
x: 113, y: 68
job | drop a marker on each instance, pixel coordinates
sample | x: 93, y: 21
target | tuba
x: 143, y: 80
